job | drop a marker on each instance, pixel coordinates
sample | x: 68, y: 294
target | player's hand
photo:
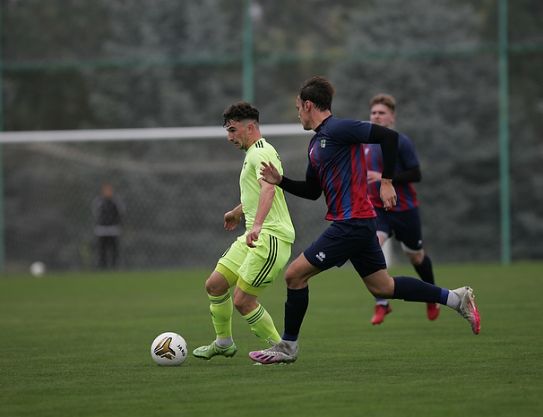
x: 269, y: 173
x: 388, y: 194
x: 373, y: 176
x: 252, y: 236
x: 231, y: 220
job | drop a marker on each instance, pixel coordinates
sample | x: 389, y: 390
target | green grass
x: 78, y: 345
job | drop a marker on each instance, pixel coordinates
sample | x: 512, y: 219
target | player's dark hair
x: 240, y: 111
x: 384, y: 99
x: 319, y: 91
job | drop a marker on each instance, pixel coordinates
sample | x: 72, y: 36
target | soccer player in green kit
x: 258, y: 256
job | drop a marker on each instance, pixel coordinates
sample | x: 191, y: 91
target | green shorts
x: 253, y: 269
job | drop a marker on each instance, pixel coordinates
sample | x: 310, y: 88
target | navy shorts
x: 403, y: 225
x: 354, y: 240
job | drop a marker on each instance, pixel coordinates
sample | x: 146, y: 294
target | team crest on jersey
x: 323, y: 143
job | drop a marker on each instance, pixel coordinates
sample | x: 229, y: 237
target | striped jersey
x: 337, y: 163
x: 407, y: 159
x: 277, y: 222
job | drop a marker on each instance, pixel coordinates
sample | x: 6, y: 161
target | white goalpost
x: 176, y: 184
x: 163, y: 133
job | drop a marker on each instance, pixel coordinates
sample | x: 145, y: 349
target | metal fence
x: 463, y: 77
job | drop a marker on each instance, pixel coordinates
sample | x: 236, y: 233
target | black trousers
x: 108, y: 251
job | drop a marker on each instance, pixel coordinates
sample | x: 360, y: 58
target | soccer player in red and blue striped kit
x: 337, y: 168
x: 402, y: 220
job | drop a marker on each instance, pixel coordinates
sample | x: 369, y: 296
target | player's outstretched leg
x: 461, y: 299
x: 468, y: 309
x: 282, y: 352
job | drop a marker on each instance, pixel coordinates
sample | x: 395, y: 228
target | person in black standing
x: 108, y: 210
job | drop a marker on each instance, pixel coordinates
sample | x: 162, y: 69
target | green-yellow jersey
x: 277, y: 221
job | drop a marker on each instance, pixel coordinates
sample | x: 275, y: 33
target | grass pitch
x: 78, y: 345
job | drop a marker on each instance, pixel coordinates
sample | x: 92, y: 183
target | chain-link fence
x: 175, y: 194
x: 145, y: 64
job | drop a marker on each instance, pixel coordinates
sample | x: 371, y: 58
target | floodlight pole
x: 248, y: 67
x: 505, y: 201
x: 2, y: 228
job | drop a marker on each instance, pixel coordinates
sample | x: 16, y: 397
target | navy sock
x: 411, y: 289
x: 425, y: 271
x: 295, y: 308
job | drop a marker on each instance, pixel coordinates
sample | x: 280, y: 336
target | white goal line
x: 162, y: 133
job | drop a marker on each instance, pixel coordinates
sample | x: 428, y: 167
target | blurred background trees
x: 124, y: 64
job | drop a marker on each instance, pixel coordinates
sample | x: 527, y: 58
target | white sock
x: 453, y: 300
x: 291, y: 344
x: 224, y: 342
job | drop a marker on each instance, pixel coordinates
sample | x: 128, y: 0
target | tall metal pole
x: 505, y: 200
x: 248, y: 67
x: 2, y: 229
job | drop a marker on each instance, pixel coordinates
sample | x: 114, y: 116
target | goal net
x: 176, y: 185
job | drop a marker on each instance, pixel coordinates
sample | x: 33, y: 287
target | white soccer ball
x: 37, y: 269
x: 169, y: 349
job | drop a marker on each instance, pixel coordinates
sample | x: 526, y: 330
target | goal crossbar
x: 162, y: 133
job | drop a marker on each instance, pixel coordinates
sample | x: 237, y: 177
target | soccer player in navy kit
x: 337, y: 167
x: 402, y: 220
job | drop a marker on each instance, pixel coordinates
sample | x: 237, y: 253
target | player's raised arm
x: 309, y: 188
x: 269, y: 173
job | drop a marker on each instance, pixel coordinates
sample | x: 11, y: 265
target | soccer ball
x: 169, y: 349
x: 37, y: 269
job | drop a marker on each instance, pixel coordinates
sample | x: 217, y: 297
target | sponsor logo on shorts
x: 321, y: 256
